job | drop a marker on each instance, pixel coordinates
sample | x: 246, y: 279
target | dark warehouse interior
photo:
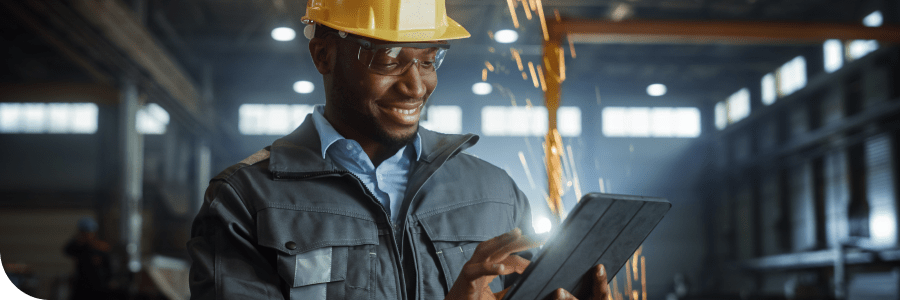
x: 772, y: 126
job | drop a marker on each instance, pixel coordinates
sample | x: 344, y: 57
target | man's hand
x: 495, y: 257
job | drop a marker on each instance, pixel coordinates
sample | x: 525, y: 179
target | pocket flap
x: 479, y: 221
x: 297, y: 231
x: 317, y: 266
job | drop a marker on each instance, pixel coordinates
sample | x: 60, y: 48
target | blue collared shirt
x: 387, y: 182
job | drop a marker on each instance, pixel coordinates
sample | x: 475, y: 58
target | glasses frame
x: 370, y: 46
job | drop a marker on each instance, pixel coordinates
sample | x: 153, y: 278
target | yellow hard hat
x: 389, y: 20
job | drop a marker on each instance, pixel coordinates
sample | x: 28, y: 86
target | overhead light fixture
x: 283, y: 34
x: 304, y: 87
x: 656, y: 89
x: 506, y: 36
x: 481, y: 88
x: 874, y: 19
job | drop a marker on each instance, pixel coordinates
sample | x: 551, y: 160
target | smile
x: 405, y: 114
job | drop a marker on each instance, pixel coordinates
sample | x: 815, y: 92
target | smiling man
x: 359, y: 202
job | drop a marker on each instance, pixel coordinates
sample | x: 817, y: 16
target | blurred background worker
x: 92, y: 263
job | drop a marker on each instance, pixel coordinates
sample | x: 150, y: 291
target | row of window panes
x: 280, y: 119
x: 71, y: 118
x: 62, y: 118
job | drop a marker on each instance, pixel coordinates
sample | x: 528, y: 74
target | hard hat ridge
x: 389, y: 20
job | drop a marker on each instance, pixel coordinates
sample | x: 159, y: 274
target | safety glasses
x: 395, y: 59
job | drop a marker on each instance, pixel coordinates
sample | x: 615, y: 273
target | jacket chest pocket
x: 455, y: 233
x: 320, y: 255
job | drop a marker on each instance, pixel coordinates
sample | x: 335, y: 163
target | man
x: 359, y: 202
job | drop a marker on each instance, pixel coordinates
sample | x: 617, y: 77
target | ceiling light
x: 304, y: 87
x: 283, y: 34
x: 656, y: 89
x: 506, y: 36
x: 874, y: 19
x: 482, y: 88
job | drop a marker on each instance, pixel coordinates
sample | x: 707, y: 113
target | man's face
x: 384, y: 108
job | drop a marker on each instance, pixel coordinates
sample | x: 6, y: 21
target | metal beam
x: 727, y: 32
x: 119, y: 25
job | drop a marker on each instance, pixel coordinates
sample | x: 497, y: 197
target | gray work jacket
x: 287, y: 224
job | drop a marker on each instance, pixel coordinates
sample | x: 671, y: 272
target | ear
x: 323, y: 54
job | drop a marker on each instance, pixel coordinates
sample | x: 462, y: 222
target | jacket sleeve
x: 522, y: 219
x: 226, y: 261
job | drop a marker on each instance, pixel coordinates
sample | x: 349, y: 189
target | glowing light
x: 791, y: 77
x: 860, y: 48
x: 152, y: 119
x: 482, y: 88
x: 834, y: 56
x: 768, y: 89
x: 874, y: 19
x: 283, y: 34
x: 884, y: 227
x: 506, y: 36
x: 304, y: 87
x: 542, y: 225
x: 656, y: 89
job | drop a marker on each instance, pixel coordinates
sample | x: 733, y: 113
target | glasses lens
x: 396, y: 60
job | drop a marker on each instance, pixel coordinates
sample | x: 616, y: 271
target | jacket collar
x: 300, y: 151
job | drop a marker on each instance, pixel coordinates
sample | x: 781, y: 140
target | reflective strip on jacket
x: 287, y: 224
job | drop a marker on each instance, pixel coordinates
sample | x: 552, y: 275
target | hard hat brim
x: 453, y: 31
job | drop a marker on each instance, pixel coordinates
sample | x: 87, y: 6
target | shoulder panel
x: 259, y: 156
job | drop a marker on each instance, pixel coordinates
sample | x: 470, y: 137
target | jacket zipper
x: 401, y: 284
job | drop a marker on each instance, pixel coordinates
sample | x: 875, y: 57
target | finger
x: 521, y: 243
x: 561, y: 294
x: 500, y: 294
x: 600, y: 286
x: 514, y: 263
x: 497, y: 242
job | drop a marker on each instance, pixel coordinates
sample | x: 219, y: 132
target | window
x: 768, y: 89
x: 528, y: 121
x: 151, y: 119
x: 63, y: 118
x: 733, y: 109
x: 271, y: 119
x: 791, y: 76
x: 443, y: 118
x: 651, y: 122
x: 859, y: 48
x: 834, y: 57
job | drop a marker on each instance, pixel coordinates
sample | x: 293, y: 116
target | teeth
x: 405, y: 111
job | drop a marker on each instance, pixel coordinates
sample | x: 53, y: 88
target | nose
x: 411, y: 83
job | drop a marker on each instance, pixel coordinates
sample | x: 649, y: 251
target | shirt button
x: 290, y: 245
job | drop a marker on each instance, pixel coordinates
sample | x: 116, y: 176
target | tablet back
x: 602, y: 229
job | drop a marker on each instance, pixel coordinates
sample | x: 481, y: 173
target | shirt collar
x: 328, y: 135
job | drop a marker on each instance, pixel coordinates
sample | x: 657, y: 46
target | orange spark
x: 515, y: 54
x: 527, y: 8
x: 524, y: 76
x: 489, y: 66
x: 540, y: 8
x: 643, y: 278
x: 556, y: 13
x: 571, y: 45
x: 541, y: 77
x: 512, y: 13
x: 534, y: 78
x: 484, y: 74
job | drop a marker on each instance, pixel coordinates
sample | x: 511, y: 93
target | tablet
x: 602, y: 229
